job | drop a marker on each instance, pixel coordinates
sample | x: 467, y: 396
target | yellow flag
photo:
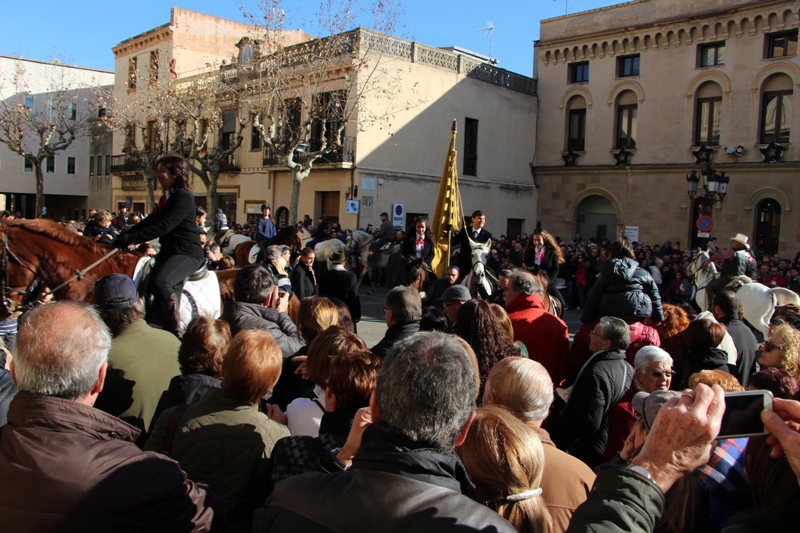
x: 447, y: 213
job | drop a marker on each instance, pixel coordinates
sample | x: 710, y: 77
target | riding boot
x: 172, y: 315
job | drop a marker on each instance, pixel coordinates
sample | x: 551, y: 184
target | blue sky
x: 83, y: 32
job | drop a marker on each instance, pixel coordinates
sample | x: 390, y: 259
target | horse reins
x: 79, y: 274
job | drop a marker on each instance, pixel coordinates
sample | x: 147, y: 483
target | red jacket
x: 544, y: 335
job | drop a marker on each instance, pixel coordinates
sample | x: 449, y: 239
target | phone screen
x: 743, y: 415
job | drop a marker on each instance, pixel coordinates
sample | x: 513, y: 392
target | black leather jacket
x: 624, y: 290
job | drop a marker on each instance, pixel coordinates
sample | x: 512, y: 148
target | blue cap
x: 115, y: 291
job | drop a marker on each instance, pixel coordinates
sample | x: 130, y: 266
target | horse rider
x: 173, y: 222
x: 476, y: 233
x: 736, y: 261
x: 384, y: 233
x: 265, y: 231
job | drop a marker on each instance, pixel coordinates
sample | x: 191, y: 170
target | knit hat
x: 456, y: 293
x: 647, y: 405
x: 115, y: 291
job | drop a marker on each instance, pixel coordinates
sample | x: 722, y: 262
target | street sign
x: 398, y: 215
x: 704, y: 223
x: 352, y: 207
x: 703, y: 234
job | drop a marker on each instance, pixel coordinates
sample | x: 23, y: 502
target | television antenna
x: 489, y: 30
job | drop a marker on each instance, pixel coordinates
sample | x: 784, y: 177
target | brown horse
x: 46, y: 250
x: 295, y: 240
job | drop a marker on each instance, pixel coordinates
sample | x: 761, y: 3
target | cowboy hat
x: 741, y: 239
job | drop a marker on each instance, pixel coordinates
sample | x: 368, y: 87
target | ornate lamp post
x: 715, y: 185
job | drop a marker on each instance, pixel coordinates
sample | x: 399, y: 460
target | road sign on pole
x: 704, y: 224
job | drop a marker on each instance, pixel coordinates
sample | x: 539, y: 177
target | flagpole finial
x: 454, y: 129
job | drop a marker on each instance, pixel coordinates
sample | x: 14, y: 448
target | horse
x: 476, y: 281
x: 415, y: 274
x: 326, y: 249
x: 71, y: 263
x: 758, y: 301
x: 246, y: 252
x: 359, y: 244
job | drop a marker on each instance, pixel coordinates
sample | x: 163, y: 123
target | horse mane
x: 57, y: 232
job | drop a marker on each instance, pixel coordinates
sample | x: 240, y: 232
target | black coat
x: 244, y: 316
x: 582, y: 427
x: 392, y: 487
x: 394, y: 334
x: 409, y: 248
x: 746, y: 346
x: 625, y: 291
x: 704, y: 359
x: 174, y: 225
x: 7, y: 393
x: 185, y: 389
x: 549, y: 264
x: 302, y: 281
x: 343, y: 285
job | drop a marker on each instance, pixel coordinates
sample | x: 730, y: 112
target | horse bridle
x: 5, y: 301
x: 7, y: 307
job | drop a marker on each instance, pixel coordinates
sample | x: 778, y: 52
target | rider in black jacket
x: 173, y: 222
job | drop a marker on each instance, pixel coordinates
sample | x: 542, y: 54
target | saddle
x: 225, y: 239
x: 143, y: 270
x: 737, y: 283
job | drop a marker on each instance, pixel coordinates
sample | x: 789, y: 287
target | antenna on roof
x: 489, y: 29
x: 566, y: 6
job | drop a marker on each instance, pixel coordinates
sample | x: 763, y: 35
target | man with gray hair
x: 544, y: 335
x: 403, y: 311
x: 581, y: 427
x: 67, y: 466
x: 405, y: 475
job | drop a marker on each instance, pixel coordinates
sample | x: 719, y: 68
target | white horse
x: 327, y: 248
x: 231, y: 242
x: 758, y: 301
x: 359, y: 244
x: 482, y: 288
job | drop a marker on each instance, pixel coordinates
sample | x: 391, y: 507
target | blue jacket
x: 266, y: 230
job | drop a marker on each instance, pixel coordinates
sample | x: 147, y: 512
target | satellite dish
x: 489, y: 29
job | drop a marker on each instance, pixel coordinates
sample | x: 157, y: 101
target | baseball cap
x: 115, y: 291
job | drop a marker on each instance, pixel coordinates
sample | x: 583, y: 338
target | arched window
x: 776, y: 109
x: 708, y: 112
x: 576, y: 124
x: 282, y: 216
x: 768, y: 226
x: 596, y: 217
x: 627, y: 106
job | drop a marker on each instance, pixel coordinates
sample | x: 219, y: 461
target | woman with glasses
x: 653, y: 372
x: 782, y: 350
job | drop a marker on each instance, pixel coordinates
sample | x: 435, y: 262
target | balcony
x: 123, y: 163
x: 343, y: 153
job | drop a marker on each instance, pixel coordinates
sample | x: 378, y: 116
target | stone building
x: 378, y: 166
x: 67, y: 174
x: 632, y: 91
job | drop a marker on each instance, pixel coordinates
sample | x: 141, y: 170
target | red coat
x: 544, y: 335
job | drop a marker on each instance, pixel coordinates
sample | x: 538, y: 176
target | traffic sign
x: 352, y: 207
x: 704, y: 223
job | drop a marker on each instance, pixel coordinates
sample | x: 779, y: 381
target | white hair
x: 60, y: 349
x: 649, y: 355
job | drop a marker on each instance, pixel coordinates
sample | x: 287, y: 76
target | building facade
x: 632, y: 92
x: 379, y: 165
x: 66, y: 174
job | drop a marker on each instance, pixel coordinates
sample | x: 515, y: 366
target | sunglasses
x: 768, y: 346
x: 659, y: 373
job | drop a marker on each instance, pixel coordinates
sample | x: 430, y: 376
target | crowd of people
x: 468, y: 414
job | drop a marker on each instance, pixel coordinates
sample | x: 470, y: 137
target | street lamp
x: 715, y: 185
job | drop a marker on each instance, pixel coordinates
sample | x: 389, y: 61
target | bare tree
x: 303, y: 97
x: 207, y: 129
x: 38, y: 127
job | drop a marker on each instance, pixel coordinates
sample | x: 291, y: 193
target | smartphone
x: 742, y: 416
